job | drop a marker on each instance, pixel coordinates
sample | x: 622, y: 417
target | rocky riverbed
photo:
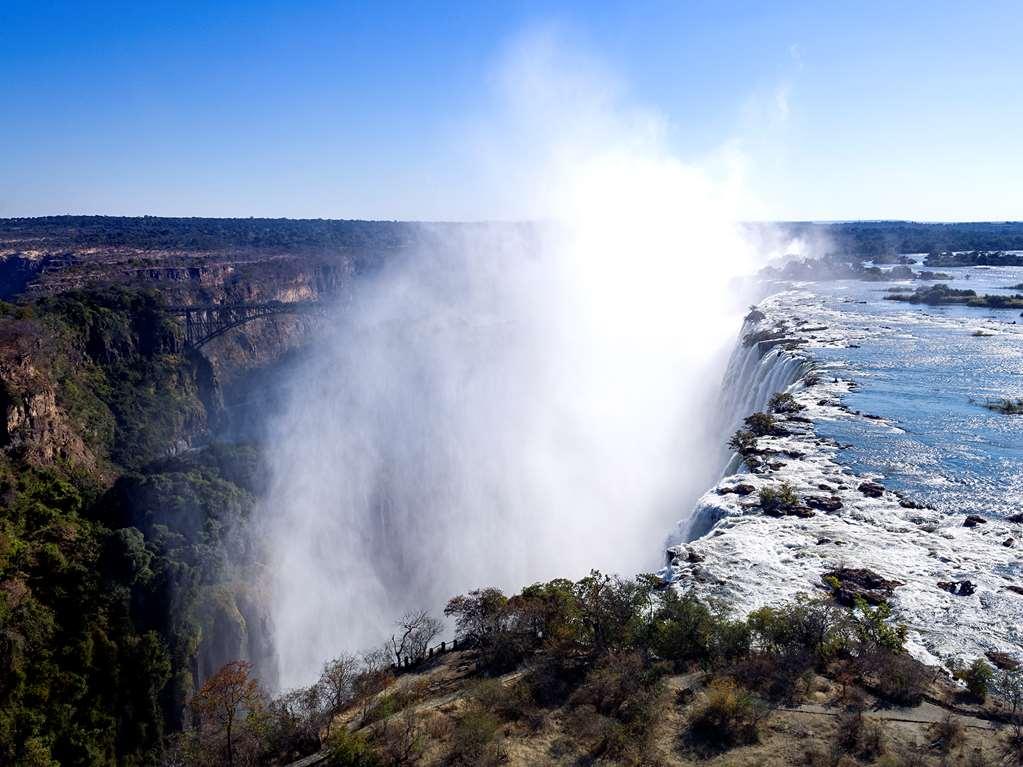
x: 956, y: 580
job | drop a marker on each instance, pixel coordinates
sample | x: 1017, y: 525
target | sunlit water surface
x: 928, y: 371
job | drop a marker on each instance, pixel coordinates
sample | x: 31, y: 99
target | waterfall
x: 754, y: 373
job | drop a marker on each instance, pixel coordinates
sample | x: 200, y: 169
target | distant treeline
x: 858, y: 238
x: 875, y: 238
x: 207, y: 234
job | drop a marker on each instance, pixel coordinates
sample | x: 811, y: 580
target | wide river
x: 928, y: 370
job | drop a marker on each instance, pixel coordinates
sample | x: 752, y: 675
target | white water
x: 750, y: 560
x: 512, y: 404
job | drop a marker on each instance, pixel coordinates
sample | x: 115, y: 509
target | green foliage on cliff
x: 78, y: 683
x: 124, y: 377
x: 110, y: 567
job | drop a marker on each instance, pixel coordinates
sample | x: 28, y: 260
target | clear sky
x: 362, y: 109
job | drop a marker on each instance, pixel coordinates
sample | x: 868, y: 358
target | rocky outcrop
x: 848, y: 584
x: 959, y: 588
x: 871, y: 489
x: 743, y: 488
x: 750, y: 560
x: 32, y: 425
x: 828, y: 504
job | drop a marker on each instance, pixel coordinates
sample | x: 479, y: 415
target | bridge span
x: 203, y: 323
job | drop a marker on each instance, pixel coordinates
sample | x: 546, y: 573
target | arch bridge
x: 203, y: 323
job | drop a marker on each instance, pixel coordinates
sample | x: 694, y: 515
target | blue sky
x: 361, y: 109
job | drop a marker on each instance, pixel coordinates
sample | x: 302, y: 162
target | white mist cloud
x: 513, y: 403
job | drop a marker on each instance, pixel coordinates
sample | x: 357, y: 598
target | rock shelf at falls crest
x: 731, y: 550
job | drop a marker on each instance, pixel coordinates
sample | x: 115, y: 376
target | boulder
x: 828, y: 504
x: 788, y: 511
x: 973, y: 520
x: 692, y: 556
x: 1002, y: 660
x: 1016, y: 518
x: 743, y: 488
x: 848, y: 584
x: 871, y: 489
x: 959, y: 588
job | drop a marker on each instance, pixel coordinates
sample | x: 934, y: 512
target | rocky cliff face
x: 32, y: 425
x: 99, y: 397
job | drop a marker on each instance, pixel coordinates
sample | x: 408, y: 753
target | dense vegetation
x: 123, y: 538
x: 206, y: 234
x: 594, y: 654
x: 871, y: 239
x: 112, y: 554
x: 1006, y: 406
x: 974, y: 258
x: 943, y: 295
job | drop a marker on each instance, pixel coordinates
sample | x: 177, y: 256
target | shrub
x: 610, y: 611
x: 351, y: 749
x: 783, y: 402
x: 873, y: 630
x: 478, y: 615
x: 474, y: 740
x: 857, y: 735
x: 744, y: 442
x: 551, y: 678
x: 506, y: 701
x: 977, y: 676
x: 776, y: 677
x: 681, y: 628
x: 729, y: 641
x: 899, y: 678
x: 776, y: 501
x: 549, y: 611
x: 948, y: 733
x: 401, y: 741
x: 761, y: 424
x: 1009, y: 687
x: 726, y: 716
x: 386, y: 706
x: 621, y: 686
x: 485, y: 621
x: 813, y: 625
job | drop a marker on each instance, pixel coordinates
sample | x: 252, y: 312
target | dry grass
x: 462, y: 720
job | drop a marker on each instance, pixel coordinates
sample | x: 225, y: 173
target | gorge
x: 269, y: 499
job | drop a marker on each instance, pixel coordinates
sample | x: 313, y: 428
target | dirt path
x: 925, y: 713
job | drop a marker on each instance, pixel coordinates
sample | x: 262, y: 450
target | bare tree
x: 294, y: 720
x: 1009, y: 687
x: 337, y: 685
x: 373, y: 677
x: 416, y: 631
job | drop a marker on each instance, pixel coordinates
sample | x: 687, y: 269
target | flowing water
x: 897, y: 397
x: 927, y: 371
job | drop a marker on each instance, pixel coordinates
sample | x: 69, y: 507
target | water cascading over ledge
x: 757, y: 369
